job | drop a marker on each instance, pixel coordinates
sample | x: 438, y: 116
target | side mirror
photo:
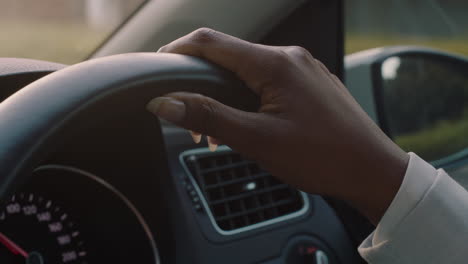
x: 418, y: 96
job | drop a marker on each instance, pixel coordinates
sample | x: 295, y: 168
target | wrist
x: 380, y: 183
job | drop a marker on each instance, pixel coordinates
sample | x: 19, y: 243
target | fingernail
x: 196, y: 136
x: 211, y: 145
x: 167, y: 108
x: 160, y: 49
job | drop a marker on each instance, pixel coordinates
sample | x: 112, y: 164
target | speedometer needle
x: 12, y: 246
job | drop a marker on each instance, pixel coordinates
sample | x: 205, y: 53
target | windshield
x: 58, y: 30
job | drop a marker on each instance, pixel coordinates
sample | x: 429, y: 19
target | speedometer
x: 64, y: 215
x: 48, y: 233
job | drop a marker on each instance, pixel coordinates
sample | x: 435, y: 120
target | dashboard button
x: 306, y: 252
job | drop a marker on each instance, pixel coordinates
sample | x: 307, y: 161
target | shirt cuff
x: 418, y: 179
x: 427, y: 221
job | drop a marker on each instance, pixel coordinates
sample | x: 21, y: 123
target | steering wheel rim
x: 33, y: 123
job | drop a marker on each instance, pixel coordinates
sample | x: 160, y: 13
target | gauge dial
x: 64, y: 215
x: 36, y: 230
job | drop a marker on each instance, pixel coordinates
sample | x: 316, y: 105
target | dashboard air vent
x: 238, y: 193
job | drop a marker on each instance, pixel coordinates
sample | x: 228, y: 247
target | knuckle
x: 205, y: 119
x: 204, y: 35
x: 298, y: 52
x: 277, y: 61
x: 322, y: 66
x: 162, y: 48
x: 280, y: 57
x: 209, y: 112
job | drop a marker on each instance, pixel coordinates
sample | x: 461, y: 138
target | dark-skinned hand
x: 309, y: 130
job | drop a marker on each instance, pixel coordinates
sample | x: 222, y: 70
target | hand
x: 309, y: 130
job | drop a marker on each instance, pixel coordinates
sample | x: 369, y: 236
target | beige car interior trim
x: 159, y: 22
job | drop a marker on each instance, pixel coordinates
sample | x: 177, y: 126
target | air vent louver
x: 239, y: 193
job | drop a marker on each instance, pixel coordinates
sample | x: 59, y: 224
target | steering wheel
x: 40, y: 118
x: 49, y: 111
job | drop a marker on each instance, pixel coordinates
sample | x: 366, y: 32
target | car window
x: 425, y: 104
x: 441, y: 24
x: 58, y: 30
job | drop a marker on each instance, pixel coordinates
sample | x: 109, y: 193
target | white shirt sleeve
x: 427, y: 222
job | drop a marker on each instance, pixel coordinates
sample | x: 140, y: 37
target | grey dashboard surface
x: 269, y: 243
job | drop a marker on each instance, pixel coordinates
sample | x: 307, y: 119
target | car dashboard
x: 135, y: 189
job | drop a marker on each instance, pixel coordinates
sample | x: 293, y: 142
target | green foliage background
x: 442, y: 139
x: 357, y: 42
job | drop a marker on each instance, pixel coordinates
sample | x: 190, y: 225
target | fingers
x: 195, y: 136
x: 332, y: 76
x: 212, y: 142
x: 243, y: 58
x: 301, y: 54
x: 207, y: 116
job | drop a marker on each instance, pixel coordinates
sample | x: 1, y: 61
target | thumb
x: 239, y: 129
